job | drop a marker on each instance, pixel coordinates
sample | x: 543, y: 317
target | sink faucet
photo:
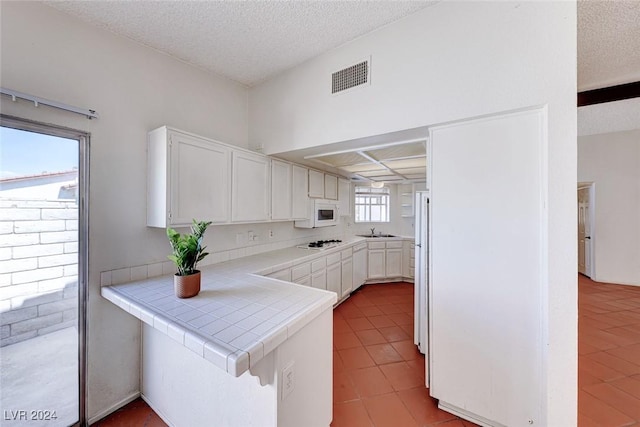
x: 373, y: 231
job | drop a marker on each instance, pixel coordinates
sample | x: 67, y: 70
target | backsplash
x: 228, y: 242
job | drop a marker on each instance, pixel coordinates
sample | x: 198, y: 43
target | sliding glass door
x: 43, y: 265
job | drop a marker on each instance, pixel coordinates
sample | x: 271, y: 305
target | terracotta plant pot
x: 187, y: 286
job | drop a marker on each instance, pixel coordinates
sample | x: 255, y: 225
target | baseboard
x: 114, y: 408
x: 157, y: 411
x: 389, y: 280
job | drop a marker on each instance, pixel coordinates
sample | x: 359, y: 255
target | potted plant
x: 187, y: 252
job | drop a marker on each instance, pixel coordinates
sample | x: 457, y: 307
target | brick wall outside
x: 38, y: 268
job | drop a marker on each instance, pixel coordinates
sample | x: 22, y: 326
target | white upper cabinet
x: 188, y: 178
x: 281, y: 192
x: 344, y: 197
x: 300, y: 188
x: 330, y: 187
x: 316, y: 184
x: 250, y: 195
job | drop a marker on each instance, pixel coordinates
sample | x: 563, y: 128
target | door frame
x: 83, y: 139
x: 592, y: 226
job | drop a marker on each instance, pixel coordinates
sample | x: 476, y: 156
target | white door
x: 486, y: 281
x: 584, y: 231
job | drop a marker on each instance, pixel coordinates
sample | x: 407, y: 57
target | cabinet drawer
x: 394, y: 244
x: 318, y: 264
x: 347, y: 253
x: 376, y: 245
x: 300, y: 271
x: 333, y: 258
x: 360, y: 246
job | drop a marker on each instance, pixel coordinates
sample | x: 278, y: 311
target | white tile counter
x: 238, y: 317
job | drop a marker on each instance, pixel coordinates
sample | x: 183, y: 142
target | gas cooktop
x: 321, y: 245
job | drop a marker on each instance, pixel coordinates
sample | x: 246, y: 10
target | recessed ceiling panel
x: 406, y: 163
x: 341, y: 159
x: 411, y: 149
x: 406, y: 171
x: 375, y: 173
x: 362, y: 167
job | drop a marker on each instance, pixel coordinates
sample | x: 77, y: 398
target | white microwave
x: 320, y: 213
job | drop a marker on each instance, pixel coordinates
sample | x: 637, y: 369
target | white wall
x: 452, y: 61
x: 612, y: 162
x: 134, y: 89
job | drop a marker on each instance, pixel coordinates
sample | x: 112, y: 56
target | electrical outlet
x: 288, y: 380
x: 251, y: 235
x: 271, y: 234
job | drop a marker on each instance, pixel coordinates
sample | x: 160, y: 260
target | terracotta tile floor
x: 608, y: 354
x: 379, y: 374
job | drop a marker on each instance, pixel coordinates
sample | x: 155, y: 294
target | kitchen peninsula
x: 200, y: 356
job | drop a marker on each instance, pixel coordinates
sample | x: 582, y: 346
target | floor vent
x: 350, y: 77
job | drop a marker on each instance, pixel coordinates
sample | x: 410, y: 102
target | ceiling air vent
x: 350, y: 77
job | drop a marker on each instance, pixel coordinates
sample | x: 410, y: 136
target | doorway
x: 585, y: 229
x: 43, y: 270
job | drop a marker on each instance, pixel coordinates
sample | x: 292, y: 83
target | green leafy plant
x: 187, y: 248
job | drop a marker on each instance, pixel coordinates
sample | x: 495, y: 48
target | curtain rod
x: 89, y: 114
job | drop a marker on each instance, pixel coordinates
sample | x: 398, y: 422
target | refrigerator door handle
x: 419, y: 245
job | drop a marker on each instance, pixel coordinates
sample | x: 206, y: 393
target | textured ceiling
x: 246, y: 41
x: 608, y: 43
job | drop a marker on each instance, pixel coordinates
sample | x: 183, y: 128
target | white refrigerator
x: 420, y: 329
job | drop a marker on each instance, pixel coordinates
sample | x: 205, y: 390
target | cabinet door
x: 406, y: 257
x: 199, y: 180
x: 376, y: 264
x: 319, y: 279
x: 250, y: 187
x: 330, y: 187
x: 282, y: 275
x: 280, y: 190
x: 316, y: 184
x: 344, y: 197
x: 334, y: 278
x: 347, y: 277
x: 394, y: 262
x: 300, y: 192
x: 305, y: 281
x: 359, y: 268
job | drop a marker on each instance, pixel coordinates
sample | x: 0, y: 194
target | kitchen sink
x: 376, y: 235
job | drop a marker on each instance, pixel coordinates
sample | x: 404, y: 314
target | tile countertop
x: 239, y: 316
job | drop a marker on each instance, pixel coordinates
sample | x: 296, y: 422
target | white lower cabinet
x: 359, y: 265
x: 347, y: 277
x: 376, y: 263
x: 319, y: 279
x: 384, y: 260
x: 334, y: 278
x: 306, y: 281
x: 393, y: 263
